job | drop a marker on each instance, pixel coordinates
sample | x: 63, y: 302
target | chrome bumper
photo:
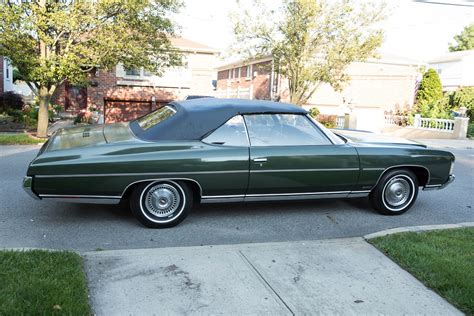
x: 440, y: 186
x: 27, y: 186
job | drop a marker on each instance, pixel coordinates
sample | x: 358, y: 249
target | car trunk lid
x: 367, y: 138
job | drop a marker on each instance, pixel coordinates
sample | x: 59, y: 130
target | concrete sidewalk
x: 447, y: 143
x: 339, y: 276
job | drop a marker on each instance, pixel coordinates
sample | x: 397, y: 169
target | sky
x: 419, y: 31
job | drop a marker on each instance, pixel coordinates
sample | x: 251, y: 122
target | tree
x: 430, y: 89
x: 464, y: 97
x: 429, y: 97
x: 53, y: 41
x: 311, y: 41
x: 465, y: 40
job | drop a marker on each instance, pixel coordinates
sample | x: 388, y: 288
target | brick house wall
x: 126, y: 96
x: 2, y: 76
x: 376, y: 86
x: 258, y: 82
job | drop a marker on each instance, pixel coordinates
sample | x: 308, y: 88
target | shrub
x: 327, y: 120
x: 84, y: 117
x: 30, y: 116
x: 314, y: 112
x: 464, y: 97
x: 430, y: 89
x: 11, y: 100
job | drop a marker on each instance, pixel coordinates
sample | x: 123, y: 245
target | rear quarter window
x: 156, y: 117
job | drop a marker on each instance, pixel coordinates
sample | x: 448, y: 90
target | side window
x: 283, y: 130
x: 232, y: 133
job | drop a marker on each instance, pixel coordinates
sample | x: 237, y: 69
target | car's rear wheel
x: 161, y: 204
x: 395, y: 193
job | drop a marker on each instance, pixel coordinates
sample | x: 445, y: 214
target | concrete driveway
x: 335, y: 277
x: 25, y: 222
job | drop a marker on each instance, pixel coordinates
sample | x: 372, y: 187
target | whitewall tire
x: 161, y: 204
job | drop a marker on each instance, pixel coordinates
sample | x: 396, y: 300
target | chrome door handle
x: 260, y: 160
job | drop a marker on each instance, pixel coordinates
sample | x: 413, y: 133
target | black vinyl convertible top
x: 198, y: 117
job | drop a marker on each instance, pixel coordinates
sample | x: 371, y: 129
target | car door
x: 226, y: 152
x: 290, y: 156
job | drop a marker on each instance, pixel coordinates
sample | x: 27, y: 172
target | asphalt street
x: 25, y: 222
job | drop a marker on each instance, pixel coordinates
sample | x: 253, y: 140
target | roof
x: 244, y: 62
x: 191, y: 46
x: 452, y: 56
x: 392, y: 59
x: 198, y: 117
x: 385, y: 58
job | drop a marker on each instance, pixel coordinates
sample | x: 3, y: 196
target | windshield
x: 150, y: 120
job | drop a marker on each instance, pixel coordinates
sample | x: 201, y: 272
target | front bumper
x: 28, y: 187
x: 451, y: 178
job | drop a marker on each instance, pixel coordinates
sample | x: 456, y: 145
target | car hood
x: 368, y: 138
x: 89, y: 135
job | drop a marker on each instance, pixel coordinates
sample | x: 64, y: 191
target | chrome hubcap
x: 162, y: 200
x: 397, y: 191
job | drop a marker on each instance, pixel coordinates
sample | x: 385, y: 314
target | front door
x: 290, y: 156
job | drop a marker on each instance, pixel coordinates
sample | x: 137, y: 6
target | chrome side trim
x: 356, y: 194
x: 183, y: 173
x: 400, y: 166
x: 162, y: 179
x: 135, y: 174
x: 282, y: 196
x: 223, y: 196
x: 85, y: 200
x: 89, y: 199
x: 296, y: 194
x: 79, y: 196
x: 28, y: 187
x: 296, y: 197
x: 304, y: 170
x: 222, y: 200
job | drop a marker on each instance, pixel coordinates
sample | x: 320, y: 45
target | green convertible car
x: 226, y: 150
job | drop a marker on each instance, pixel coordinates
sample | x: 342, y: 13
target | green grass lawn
x: 443, y: 260
x: 19, y: 139
x: 42, y: 282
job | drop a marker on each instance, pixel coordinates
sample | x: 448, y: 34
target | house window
x: 7, y: 69
x: 248, y: 72
x: 132, y: 72
x: 439, y: 71
x: 147, y: 73
x: 230, y: 74
x: 236, y: 73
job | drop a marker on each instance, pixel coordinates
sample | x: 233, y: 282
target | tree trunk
x: 43, y: 118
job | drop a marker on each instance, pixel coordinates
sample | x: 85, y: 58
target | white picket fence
x: 435, y: 124
x: 238, y: 93
x: 442, y: 125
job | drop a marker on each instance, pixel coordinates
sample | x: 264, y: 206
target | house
x: 124, y: 94
x: 6, y: 75
x: 377, y: 86
x: 455, y: 69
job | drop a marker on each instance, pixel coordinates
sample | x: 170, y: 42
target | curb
x: 416, y: 229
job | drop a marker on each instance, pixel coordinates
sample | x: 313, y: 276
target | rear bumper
x: 440, y: 186
x: 28, y: 187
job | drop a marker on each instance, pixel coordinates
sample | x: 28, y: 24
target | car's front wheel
x: 161, y: 204
x: 395, y: 192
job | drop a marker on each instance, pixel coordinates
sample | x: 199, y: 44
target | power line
x: 446, y: 3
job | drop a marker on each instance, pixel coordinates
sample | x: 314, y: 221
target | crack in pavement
x: 265, y: 281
